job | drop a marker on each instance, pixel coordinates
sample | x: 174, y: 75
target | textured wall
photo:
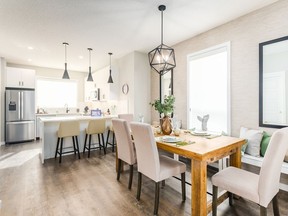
x: 245, y: 34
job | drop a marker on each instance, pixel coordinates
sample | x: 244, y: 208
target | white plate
x: 171, y: 139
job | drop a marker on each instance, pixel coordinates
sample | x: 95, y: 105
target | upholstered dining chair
x: 155, y: 167
x: 125, y: 147
x: 128, y: 117
x: 261, y: 188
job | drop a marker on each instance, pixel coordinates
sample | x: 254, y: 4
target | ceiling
x: 32, y: 31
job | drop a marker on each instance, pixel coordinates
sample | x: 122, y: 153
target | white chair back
x: 271, y: 167
x: 146, y: 150
x: 128, y: 117
x: 125, y: 145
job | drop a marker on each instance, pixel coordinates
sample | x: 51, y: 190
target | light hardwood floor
x: 89, y: 187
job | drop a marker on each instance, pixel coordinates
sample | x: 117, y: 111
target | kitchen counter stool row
x: 72, y: 129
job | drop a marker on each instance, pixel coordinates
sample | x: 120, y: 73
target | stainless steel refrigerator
x: 20, y: 115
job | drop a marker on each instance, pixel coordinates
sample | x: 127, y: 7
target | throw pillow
x: 264, y: 143
x: 254, y: 138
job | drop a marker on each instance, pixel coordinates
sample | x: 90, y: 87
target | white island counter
x: 48, y: 133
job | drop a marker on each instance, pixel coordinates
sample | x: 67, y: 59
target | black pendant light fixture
x: 110, y: 80
x: 162, y: 58
x: 65, y: 74
x: 90, y: 78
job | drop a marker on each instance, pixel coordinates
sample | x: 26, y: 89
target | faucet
x: 66, y: 106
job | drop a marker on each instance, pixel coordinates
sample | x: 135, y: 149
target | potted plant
x: 165, y: 109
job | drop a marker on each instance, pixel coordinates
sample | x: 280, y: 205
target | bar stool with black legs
x: 68, y: 129
x: 108, y: 141
x: 96, y: 126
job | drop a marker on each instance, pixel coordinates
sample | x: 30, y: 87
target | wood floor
x: 89, y: 187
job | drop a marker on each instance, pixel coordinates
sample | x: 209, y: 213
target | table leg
x: 235, y: 159
x: 199, y: 188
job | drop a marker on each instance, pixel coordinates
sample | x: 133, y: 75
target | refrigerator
x: 19, y: 115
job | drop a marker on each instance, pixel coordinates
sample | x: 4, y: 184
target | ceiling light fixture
x: 65, y: 74
x: 110, y: 80
x: 90, y: 78
x: 162, y: 58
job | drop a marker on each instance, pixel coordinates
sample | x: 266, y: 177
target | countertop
x: 72, y: 118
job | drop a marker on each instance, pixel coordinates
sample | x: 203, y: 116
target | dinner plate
x: 171, y: 139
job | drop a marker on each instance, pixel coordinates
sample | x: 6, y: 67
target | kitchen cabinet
x: 100, y: 90
x: 20, y: 78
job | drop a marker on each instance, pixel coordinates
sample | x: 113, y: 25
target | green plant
x: 166, y: 107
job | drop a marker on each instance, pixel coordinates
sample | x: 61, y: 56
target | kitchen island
x: 48, y: 133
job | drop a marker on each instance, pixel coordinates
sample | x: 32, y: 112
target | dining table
x: 202, y: 149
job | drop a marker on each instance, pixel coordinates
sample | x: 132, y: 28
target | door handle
x: 22, y: 103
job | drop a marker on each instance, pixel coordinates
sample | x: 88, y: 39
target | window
x: 56, y: 92
x: 208, y: 88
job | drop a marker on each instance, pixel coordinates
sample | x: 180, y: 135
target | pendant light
x: 162, y: 58
x: 65, y: 74
x: 90, y: 78
x: 110, y: 80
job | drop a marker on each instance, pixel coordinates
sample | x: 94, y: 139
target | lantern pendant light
x: 110, y: 80
x: 90, y: 78
x: 162, y: 58
x: 65, y: 74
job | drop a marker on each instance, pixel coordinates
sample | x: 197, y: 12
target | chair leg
x: 119, y: 169
x: 99, y: 142
x: 61, y: 147
x: 156, y: 202
x: 275, y: 206
x: 85, y: 144
x: 130, y: 177
x: 58, y: 140
x: 183, y: 185
x: 139, y: 185
x: 231, y: 201
x: 113, y: 142
x: 74, y: 147
x: 107, y: 139
x: 102, y: 136
x: 263, y: 211
x: 89, y: 148
x: 214, y: 200
x: 77, y: 146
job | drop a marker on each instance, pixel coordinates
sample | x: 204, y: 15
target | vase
x: 166, y: 125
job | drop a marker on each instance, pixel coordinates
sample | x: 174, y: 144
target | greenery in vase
x: 166, y: 107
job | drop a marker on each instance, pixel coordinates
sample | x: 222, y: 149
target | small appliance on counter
x: 19, y: 115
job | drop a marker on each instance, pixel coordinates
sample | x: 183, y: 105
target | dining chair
x: 67, y: 129
x: 128, y: 117
x: 95, y: 127
x: 158, y: 168
x: 125, y: 147
x: 261, y: 188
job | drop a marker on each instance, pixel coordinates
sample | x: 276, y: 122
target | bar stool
x: 96, y: 126
x: 68, y: 129
x: 113, y: 143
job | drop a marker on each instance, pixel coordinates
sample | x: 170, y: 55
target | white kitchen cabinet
x: 20, y: 78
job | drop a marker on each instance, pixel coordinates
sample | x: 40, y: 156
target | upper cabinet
x: 20, y: 78
x: 99, y: 89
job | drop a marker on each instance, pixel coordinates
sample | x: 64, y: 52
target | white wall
x: 245, y: 34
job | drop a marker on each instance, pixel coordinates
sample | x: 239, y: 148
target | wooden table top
x: 201, y: 148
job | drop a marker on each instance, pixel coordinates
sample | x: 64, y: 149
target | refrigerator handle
x: 22, y: 104
x: 19, y: 105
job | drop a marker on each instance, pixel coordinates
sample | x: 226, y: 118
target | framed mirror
x: 273, y: 83
x: 166, y: 84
